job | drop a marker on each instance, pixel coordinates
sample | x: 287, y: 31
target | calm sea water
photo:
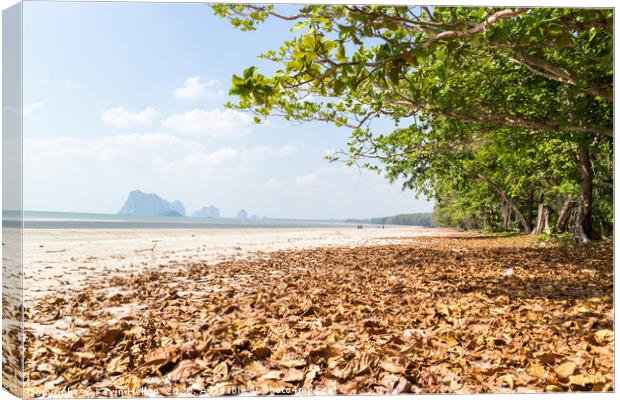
x: 67, y: 220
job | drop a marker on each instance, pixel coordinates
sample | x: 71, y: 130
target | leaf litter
x: 436, y: 315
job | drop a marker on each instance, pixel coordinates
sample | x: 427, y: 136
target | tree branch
x: 454, y: 34
x: 507, y: 201
x: 558, y: 74
x: 507, y: 120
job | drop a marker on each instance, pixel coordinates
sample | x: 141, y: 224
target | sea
x: 71, y: 220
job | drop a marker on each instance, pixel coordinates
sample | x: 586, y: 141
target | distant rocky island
x: 151, y: 205
x: 178, y: 207
x: 207, y: 212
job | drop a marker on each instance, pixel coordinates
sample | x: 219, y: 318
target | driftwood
x: 152, y: 249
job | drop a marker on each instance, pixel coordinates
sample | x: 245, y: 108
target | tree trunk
x: 508, y: 202
x: 563, y: 214
x: 542, y: 219
x: 580, y: 235
x: 506, y: 217
x: 530, y: 206
x: 583, y: 223
x: 509, y: 222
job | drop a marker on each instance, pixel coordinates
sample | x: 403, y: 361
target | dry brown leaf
x: 272, y: 375
x: 130, y: 382
x: 257, y: 368
x: 343, y: 371
x: 110, y: 336
x: 325, y: 352
x: 261, y: 351
x: 566, y: 369
x: 61, y: 351
x: 184, y: 370
x: 299, y: 363
x: 506, y: 380
x: 348, y: 388
x: 46, y: 367
x: 601, y: 337
x: 311, y: 374
x: 118, y: 365
x: 584, y: 380
x: 294, y: 375
x: 554, y: 388
x: 86, y: 355
x: 221, y: 372
x: 450, y: 324
x: 390, y: 366
x: 537, y: 370
x: 549, y: 357
x: 364, y: 365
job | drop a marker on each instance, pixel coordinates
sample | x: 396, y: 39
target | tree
x: 546, y: 73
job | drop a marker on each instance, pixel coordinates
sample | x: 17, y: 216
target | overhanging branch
x: 482, y: 26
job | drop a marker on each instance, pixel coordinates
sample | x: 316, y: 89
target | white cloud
x: 134, y: 146
x: 275, y: 183
x: 201, y: 161
x: 288, y: 149
x: 33, y: 108
x: 214, y: 122
x: 262, y: 152
x: 306, y: 180
x: 122, y: 119
x: 118, y: 151
x: 125, y: 151
x: 48, y: 152
x: 194, y: 88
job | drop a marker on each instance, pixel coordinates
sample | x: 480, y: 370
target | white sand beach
x: 58, y: 260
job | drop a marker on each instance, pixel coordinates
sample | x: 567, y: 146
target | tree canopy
x: 505, y: 115
x: 415, y: 219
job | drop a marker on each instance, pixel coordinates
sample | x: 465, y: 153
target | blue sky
x: 123, y: 96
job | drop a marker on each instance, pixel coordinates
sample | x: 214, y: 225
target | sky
x: 124, y: 96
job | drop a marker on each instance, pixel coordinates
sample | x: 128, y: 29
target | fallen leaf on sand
x: 601, y: 337
x: 130, y: 382
x: 261, y: 351
x: 566, y: 369
x: 293, y: 363
x: 294, y: 375
x: 537, y: 371
x: 408, y: 317
x: 221, y: 371
x: 185, y: 369
x: 585, y: 380
x: 325, y: 352
x: 390, y: 366
x: 118, y: 365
